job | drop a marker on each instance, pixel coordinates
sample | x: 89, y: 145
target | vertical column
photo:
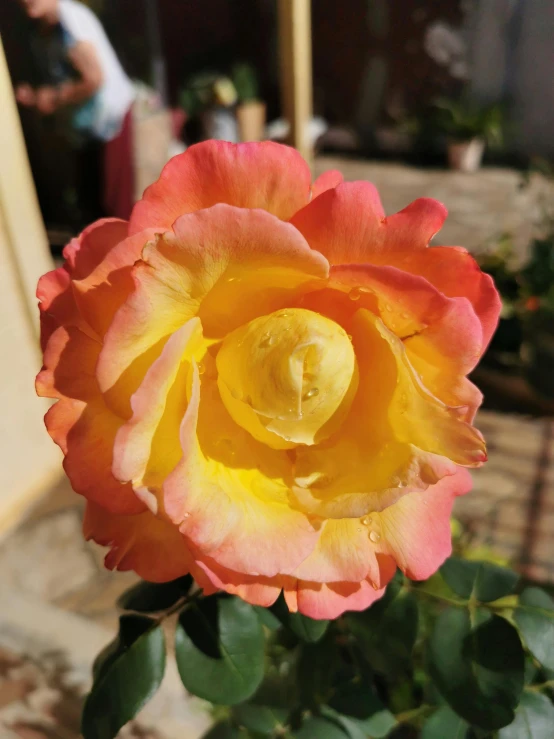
x: 295, y: 48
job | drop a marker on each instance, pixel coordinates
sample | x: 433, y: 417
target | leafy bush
x: 460, y: 655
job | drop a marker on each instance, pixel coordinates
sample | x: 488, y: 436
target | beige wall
x: 29, y: 461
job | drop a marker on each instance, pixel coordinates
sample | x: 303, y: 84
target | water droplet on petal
x: 404, y: 315
x: 311, y: 393
x: 201, y: 368
x: 355, y: 293
x: 375, y: 586
x: 231, y: 279
x: 375, y: 537
x: 367, y: 520
x: 388, y: 306
x: 186, y: 514
x: 267, y: 341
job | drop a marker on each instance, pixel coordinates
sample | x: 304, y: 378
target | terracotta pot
x: 251, y: 120
x: 466, y: 156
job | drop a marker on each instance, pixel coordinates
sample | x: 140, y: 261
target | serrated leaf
x: 482, y: 581
x: 479, y: 672
x: 307, y: 629
x: 260, y: 719
x: 219, y: 647
x: 534, y: 617
x: 149, y: 597
x: 534, y: 719
x: 127, y: 674
x: 320, y: 728
x: 444, y: 724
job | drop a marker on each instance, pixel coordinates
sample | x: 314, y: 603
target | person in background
x: 83, y: 77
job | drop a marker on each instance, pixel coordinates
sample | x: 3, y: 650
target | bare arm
x: 85, y: 60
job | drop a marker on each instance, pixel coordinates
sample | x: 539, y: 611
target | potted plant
x: 468, y: 127
x: 251, y: 111
x: 212, y: 97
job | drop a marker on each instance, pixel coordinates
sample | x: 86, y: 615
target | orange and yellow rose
x: 263, y: 382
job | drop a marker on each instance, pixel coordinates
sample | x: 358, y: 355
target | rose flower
x: 263, y: 382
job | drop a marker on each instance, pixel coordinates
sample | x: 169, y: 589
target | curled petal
x: 255, y: 175
x: 230, y: 496
x: 215, y: 258
x: 326, y: 181
x: 347, y: 224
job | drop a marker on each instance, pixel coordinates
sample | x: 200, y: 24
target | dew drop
x: 355, y: 293
x: 375, y: 537
x: 231, y: 279
x: 267, y: 341
x: 186, y: 514
x: 404, y: 315
x: 201, y: 368
x: 311, y: 393
x: 375, y: 586
x: 367, y: 520
x: 388, y: 306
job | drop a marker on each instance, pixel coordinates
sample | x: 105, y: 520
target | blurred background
x: 451, y: 99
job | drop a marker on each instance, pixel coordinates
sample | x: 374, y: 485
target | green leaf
x: 319, y: 727
x: 261, y: 719
x: 219, y: 647
x: 388, y: 630
x: 360, y: 710
x: 482, y: 581
x: 534, y: 617
x: 268, y: 619
x: 307, y: 629
x: 127, y: 674
x: 224, y: 730
x: 479, y: 672
x: 148, y: 597
x: 445, y: 723
x: 534, y: 719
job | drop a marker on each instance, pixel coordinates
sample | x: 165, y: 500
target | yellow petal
x: 290, y: 373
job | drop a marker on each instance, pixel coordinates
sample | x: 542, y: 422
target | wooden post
x: 295, y: 48
x: 29, y: 461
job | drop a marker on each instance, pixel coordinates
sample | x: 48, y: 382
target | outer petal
x: 443, y: 336
x: 229, y: 494
x: 416, y: 529
x: 106, y: 287
x: 80, y: 423
x: 326, y: 181
x: 89, y: 249
x: 227, y: 265
x: 150, y: 546
x: 331, y: 600
x: 348, y: 226
x: 254, y: 175
x: 456, y: 274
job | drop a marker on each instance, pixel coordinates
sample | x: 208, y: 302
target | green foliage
x: 219, y: 646
x: 245, y: 81
x: 127, y: 673
x: 461, y: 656
x: 463, y: 120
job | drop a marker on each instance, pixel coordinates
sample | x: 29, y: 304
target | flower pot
x: 466, y: 156
x: 251, y: 120
x: 220, y: 123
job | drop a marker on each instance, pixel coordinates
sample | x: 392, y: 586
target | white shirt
x: 116, y: 94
